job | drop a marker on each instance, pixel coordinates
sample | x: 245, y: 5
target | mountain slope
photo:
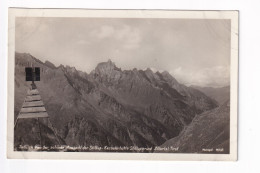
x: 207, y: 130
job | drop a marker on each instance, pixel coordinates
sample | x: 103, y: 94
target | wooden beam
x: 32, y: 98
x: 33, y: 104
x: 33, y: 109
x: 33, y: 92
x: 33, y: 115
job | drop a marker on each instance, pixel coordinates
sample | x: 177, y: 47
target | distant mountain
x: 221, y: 94
x: 110, y: 106
x: 209, y: 130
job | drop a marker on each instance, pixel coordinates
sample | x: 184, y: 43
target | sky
x: 194, y: 51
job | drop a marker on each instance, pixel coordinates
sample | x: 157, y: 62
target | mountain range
x: 108, y: 106
x: 220, y: 94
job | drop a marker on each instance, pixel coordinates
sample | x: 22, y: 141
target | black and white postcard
x: 122, y: 84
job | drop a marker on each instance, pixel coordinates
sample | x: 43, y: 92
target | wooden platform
x: 33, y: 106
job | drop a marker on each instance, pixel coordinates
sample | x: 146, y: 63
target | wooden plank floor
x: 33, y: 106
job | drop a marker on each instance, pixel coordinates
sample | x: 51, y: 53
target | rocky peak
x: 151, y: 75
x: 165, y: 73
x: 106, y: 67
x: 61, y: 67
x: 168, y: 77
x: 106, y: 72
x: 49, y: 64
x: 149, y: 71
x: 70, y: 69
x: 24, y: 58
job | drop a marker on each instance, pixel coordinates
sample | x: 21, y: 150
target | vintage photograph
x: 160, y: 83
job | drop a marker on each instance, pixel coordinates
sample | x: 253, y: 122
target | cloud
x: 28, y: 27
x: 216, y: 76
x: 156, y: 70
x: 105, y: 31
x: 82, y: 42
x: 127, y: 37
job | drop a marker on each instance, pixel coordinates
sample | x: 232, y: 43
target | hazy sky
x: 194, y: 51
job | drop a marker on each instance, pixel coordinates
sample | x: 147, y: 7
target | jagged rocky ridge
x: 110, y: 106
